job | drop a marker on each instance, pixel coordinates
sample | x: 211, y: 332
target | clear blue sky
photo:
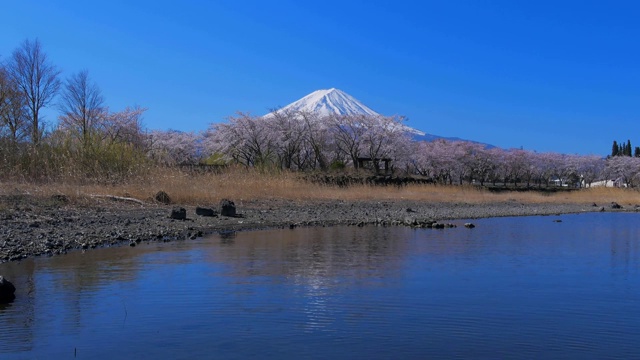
x: 558, y: 75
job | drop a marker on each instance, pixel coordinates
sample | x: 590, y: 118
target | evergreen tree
x: 636, y: 152
x: 628, y: 152
x: 615, y: 149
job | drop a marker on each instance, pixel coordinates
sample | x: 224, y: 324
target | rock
x: 179, y: 213
x: 132, y: 244
x: 227, y: 208
x: 615, y: 205
x: 557, y: 220
x: 438, y: 226
x: 202, y: 211
x: 594, y: 205
x: 7, y: 290
x: 428, y: 224
x: 162, y: 197
x: 469, y: 225
x: 410, y: 210
x: 602, y: 209
x: 60, y: 198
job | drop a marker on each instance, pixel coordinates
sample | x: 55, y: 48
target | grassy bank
x: 250, y: 184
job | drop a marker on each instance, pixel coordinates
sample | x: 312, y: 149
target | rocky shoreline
x: 32, y: 226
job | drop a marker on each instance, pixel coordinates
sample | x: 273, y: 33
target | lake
x: 532, y: 287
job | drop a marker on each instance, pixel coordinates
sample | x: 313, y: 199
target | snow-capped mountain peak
x: 329, y: 102
x: 336, y: 102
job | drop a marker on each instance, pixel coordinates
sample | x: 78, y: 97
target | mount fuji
x: 337, y: 102
x: 329, y: 102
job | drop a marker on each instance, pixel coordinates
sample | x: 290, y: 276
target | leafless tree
x: 82, y: 107
x: 37, y: 79
x: 13, y: 116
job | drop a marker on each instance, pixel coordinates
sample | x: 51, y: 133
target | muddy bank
x: 32, y: 226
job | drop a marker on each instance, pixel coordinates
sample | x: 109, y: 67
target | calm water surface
x: 510, y: 288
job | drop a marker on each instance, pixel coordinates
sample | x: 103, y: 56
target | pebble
x: 60, y: 230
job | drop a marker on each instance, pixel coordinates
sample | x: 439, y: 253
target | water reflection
x: 509, y: 288
x: 325, y: 252
x: 318, y: 269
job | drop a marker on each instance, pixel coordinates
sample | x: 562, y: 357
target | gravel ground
x: 31, y: 226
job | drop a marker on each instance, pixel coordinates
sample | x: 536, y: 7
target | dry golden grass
x: 249, y: 184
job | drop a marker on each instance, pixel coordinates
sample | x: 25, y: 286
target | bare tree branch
x: 37, y: 79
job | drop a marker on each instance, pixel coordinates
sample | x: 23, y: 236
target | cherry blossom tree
x: 244, y: 139
x: 124, y: 126
x: 437, y: 160
x: 480, y: 162
x: 318, y: 140
x: 501, y: 169
x: 518, y: 166
x: 174, y: 147
x: 347, y: 132
x: 624, y: 169
x: 288, y: 133
x: 591, y: 168
x: 383, y: 138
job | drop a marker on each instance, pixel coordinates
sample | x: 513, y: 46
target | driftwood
x: 119, y: 198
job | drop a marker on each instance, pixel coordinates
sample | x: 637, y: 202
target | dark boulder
x: 179, y: 213
x: 162, y: 197
x: 202, y: 211
x: 409, y: 221
x: 615, y: 205
x: 7, y: 290
x: 469, y: 225
x: 60, y: 198
x: 227, y: 208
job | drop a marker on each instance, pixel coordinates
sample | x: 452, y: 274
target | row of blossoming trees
x: 306, y: 141
x: 291, y: 141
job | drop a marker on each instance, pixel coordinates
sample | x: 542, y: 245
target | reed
x: 242, y: 184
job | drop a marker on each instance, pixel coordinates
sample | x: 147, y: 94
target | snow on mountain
x: 329, y: 102
x: 337, y: 102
